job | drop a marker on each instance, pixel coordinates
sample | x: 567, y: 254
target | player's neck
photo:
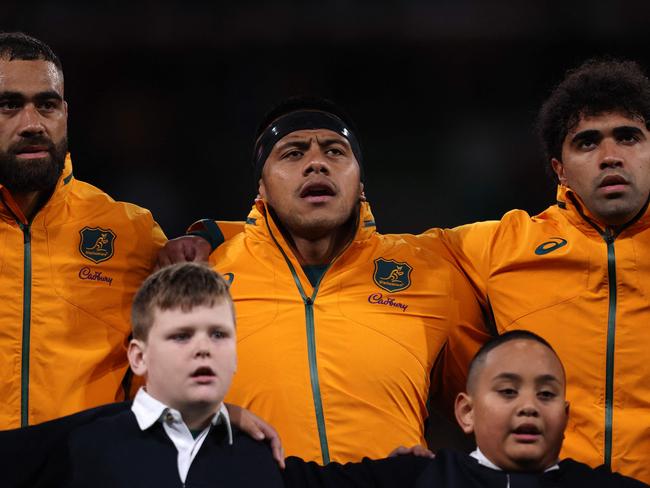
x: 315, y: 252
x: 28, y: 202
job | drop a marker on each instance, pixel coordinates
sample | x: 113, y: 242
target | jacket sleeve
x: 470, y: 245
x: 395, y: 472
x: 467, y: 332
x: 467, y: 248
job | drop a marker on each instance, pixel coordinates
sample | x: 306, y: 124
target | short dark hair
x: 512, y: 335
x: 20, y: 46
x: 182, y: 285
x: 598, y: 85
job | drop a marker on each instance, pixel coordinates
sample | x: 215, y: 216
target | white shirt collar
x: 484, y: 461
x: 148, y: 411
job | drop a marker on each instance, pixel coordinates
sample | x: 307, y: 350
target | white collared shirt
x: 148, y: 411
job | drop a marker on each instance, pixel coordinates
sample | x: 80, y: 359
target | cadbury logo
x: 378, y: 298
x: 86, y: 273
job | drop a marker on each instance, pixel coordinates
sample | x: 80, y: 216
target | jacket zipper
x: 27, y: 312
x: 311, y: 349
x: 609, y: 237
x: 611, y: 343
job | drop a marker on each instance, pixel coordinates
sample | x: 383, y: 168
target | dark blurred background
x: 165, y: 96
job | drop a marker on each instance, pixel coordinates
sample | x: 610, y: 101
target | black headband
x: 300, y: 120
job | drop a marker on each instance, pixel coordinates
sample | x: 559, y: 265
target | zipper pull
x: 609, y: 235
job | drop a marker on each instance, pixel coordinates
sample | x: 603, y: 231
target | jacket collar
x: 261, y: 226
x: 11, y: 211
x: 579, y: 215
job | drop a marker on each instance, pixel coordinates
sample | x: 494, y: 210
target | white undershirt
x: 148, y: 411
x: 484, y: 461
x: 480, y: 457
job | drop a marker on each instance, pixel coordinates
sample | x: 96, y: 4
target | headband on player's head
x: 300, y: 120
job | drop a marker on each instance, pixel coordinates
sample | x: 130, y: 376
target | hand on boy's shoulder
x: 416, y: 450
x: 395, y: 472
x: 258, y: 429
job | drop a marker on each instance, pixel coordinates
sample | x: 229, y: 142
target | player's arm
x: 395, y: 472
x: 468, y: 330
x: 257, y: 428
x: 470, y: 247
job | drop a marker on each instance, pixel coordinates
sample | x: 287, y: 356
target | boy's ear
x: 135, y: 353
x: 464, y: 412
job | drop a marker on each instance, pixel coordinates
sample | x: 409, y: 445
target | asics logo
x: 550, y: 246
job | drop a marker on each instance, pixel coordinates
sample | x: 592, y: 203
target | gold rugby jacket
x: 66, y: 282
x: 586, y: 289
x: 341, y: 369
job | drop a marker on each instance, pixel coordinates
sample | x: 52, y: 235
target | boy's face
x: 517, y: 410
x: 189, y: 358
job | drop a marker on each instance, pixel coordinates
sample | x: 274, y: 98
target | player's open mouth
x: 318, y: 191
x: 613, y: 184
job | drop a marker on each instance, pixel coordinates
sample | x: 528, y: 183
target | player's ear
x: 558, y: 168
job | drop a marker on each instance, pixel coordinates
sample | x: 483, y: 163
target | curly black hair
x: 597, y: 86
x: 20, y: 46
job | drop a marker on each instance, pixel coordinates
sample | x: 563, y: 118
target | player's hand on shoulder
x: 416, y: 450
x: 258, y: 429
x: 182, y: 249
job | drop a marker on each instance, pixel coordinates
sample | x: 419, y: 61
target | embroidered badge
x: 550, y: 246
x: 391, y: 275
x: 96, y: 243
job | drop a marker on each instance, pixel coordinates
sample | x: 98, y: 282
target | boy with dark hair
x: 516, y: 408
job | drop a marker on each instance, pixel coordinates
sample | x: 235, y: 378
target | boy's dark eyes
x: 546, y: 394
x: 508, y: 392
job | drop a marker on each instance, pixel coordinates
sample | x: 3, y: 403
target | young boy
x: 177, y: 432
x: 515, y: 406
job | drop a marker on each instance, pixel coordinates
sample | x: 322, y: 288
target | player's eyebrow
x: 586, y: 135
x: 297, y: 144
x: 626, y: 130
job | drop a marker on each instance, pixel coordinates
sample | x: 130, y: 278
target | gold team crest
x: 391, y: 275
x: 96, y: 243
